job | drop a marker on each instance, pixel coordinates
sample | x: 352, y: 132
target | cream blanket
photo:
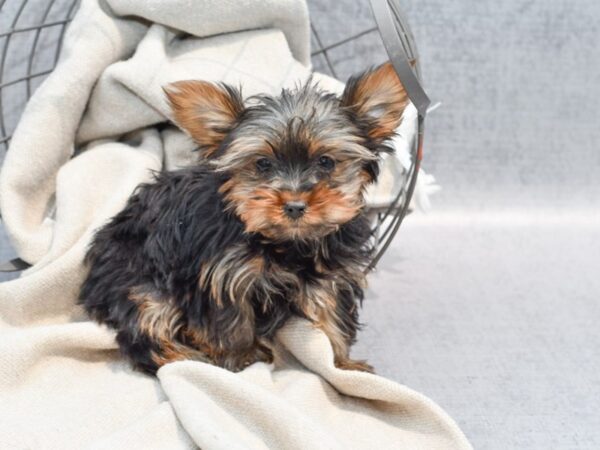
x: 62, y: 383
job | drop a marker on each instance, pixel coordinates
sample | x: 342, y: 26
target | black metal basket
x: 42, y: 24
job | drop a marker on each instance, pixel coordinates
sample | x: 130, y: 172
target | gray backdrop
x: 490, y: 304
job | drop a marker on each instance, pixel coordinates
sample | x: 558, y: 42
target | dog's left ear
x: 377, y: 99
x: 207, y: 111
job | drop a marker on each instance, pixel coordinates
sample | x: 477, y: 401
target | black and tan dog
x: 208, y: 262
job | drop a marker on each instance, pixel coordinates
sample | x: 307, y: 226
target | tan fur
x: 157, y: 317
x: 239, y: 151
x: 319, y: 305
x: 342, y: 143
x: 379, y: 96
x: 205, y: 110
x: 261, y: 209
x: 230, y: 276
x: 172, y: 351
x: 162, y: 322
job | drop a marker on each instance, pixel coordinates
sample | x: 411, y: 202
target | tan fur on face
x: 379, y: 97
x: 293, y: 131
x: 205, y: 110
x: 261, y: 210
x: 342, y: 143
x: 260, y: 206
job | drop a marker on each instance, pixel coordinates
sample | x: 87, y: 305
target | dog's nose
x: 294, y: 210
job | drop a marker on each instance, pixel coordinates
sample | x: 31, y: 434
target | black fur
x: 165, y: 233
x: 208, y: 263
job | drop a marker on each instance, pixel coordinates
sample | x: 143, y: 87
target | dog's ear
x: 205, y: 110
x: 377, y: 99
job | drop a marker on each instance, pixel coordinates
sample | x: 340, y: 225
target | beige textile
x: 62, y: 382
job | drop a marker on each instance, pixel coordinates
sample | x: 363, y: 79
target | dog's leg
x: 155, y: 333
x: 337, y: 319
x: 231, y: 330
x: 228, y: 284
x: 340, y: 343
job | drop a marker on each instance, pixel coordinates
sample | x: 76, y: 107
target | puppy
x: 208, y: 262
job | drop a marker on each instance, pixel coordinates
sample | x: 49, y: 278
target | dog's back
x: 151, y: 253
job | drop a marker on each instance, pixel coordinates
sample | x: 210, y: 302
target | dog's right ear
x: 206, y: 111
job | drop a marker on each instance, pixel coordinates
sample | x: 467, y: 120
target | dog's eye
x: 325, y: 162
x: 263, y: 165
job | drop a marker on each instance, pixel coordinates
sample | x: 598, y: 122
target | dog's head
x: 296, y: 166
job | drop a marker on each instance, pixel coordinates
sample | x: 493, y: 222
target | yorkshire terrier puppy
x: 208, y: 262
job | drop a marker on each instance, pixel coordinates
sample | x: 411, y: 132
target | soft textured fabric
x: 62, y: 382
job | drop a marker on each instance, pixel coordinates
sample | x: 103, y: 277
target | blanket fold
x: 87, y: 138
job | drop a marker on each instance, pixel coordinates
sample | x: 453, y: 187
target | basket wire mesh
x: 38, y: 22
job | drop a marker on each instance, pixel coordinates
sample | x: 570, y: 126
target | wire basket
x: 40, y: 25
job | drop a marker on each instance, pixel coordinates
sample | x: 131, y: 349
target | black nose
x: 294, y: 210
